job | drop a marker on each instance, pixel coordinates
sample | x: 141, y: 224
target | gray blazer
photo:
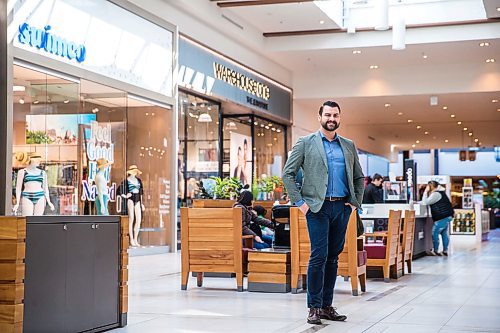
x: 309, y: 154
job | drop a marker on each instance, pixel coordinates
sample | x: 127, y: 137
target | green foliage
x: 492, y: 199
x: 37, y: 137
x: 226, y: 188
x: 268, y: 184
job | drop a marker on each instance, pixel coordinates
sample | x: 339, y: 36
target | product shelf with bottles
x: 464, y: 222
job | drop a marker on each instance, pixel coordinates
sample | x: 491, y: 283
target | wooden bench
x: 349, y: 264
x: 408, y: 239
x: 211, y: 241
x: 213, y: 203
x: 386, y: 253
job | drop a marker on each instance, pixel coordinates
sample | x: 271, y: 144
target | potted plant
x: 269, y: 186
x: 226, y: 188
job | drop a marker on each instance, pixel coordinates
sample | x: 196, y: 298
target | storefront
x: 92, y: 109
x: 233, y: 121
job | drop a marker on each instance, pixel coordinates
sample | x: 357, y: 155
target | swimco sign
x: 43, y: 39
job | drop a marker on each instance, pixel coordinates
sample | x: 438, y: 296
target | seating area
x: 212, y: 242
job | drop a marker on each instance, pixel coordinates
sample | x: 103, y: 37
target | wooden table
x: 269, y: 271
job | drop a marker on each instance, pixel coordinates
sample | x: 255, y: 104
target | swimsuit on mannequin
x: 132, y: 190
x: 32, y: 190
x: 101, y: 183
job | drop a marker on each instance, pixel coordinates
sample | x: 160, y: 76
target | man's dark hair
x: 377, y: 176
x: 331, y: 104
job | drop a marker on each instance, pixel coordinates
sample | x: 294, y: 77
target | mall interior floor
x: 460, y: 293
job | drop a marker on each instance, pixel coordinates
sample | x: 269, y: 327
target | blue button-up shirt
x: 337, y: 177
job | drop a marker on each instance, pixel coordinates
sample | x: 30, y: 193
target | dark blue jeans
x: 327, y: 230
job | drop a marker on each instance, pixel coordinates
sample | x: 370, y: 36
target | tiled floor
x: 460, y: 293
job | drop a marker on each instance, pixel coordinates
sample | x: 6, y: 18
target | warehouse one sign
x: 98, y: 146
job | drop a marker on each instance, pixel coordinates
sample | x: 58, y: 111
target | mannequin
x: 101, y: 183
x: 132, y: 190
x: 32, y: 190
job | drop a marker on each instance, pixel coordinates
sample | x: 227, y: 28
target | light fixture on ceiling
x: 321, y: 22
x: 419, y: 127
x: 425, y: 56
x: 445, y: 108
x: 399, y: 33
x: 66, y: 101
x: 446, y: 140
x: 410, y: 121
x: 18, y: 88
x: 426, y: 133
x: 498, y: 9
x: 400, y: 113
x: 95, y: 110
x: 21, y: 101
x: 36, y: 101
x: 470, y: 133
x: 459, y: 123
x: 373, y: 67
x: 498, y: 110
x: 484, y: 44
x: 381, y: 12
x: 356, y: 52
x: 231, y: 126
x: 204, y: 118
x: 418, y: 141
x: 476, y: 140
x: 387, y: 105
x: 494, y: 101
x: 413, y: 145
x: 465, y: 128
x: 278, y: 130
x: 452, y: 115
x: 490, y: 60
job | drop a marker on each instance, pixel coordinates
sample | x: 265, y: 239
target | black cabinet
x: 72, y: 274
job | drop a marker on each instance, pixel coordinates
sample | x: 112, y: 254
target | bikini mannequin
x: 32, y: 190
x: 132, y: 190
x: 102, y: 198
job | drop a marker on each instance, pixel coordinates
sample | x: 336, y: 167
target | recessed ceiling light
x: 356, y: 52
x: 21, y: 101
x: 498, y: 110
x: 476, y: 140
x: 452, y: 115
x: 387, y: 105
x: 490, y: 60
x: 498, y: 9
x: 418, y: 141
x: 445, y: 108
x: 459, y: 123
x: 470, y: 133
x: 373, y: 67
x: 465, y: 128
x: 446, y: 140
x: 36, y: 101
x: 419, y: 127
x: 66, y: 101
x: 426, y: 132
x: 479, y: 143
x: 18, y: 88
x: 400, y: 113
x: 321, y: 22
x: 494, y: 101
x: 424, y: 55
x: 410, y: 121
x: 413, y: 145
x: 484, y: 44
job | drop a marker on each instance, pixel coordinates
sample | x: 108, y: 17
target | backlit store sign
x: 44, y: 40
x: 241, y: 81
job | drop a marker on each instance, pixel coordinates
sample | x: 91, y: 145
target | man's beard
x: 330, y: 126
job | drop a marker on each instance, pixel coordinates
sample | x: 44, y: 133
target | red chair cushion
x: 362, y: 256
x: 375, y: 250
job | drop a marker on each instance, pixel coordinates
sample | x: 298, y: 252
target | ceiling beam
x: 409, y: 26
x: 225, y: 4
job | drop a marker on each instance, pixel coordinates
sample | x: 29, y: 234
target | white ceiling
x: 315, y: 55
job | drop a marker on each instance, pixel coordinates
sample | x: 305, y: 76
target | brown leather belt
x: 335, y: 198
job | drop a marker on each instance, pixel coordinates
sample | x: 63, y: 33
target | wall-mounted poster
x: 55, y: 128
x: 241, y: 157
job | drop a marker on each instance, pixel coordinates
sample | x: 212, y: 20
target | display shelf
x: 464, y: 222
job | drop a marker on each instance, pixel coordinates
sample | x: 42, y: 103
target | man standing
x: 373, y: 192
x: 332, y: 188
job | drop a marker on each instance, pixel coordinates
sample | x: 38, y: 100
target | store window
x: 237, y: 159
x: 71, y: 135
x: 269, y: 148
x: 199, y: 144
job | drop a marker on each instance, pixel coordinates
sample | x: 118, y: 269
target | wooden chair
x: 211, y: 242
x: 352, y: 263
x: 408, y: 238
x: 352, y: 260
x: 213, y: 203
x: 300, y: 247
x: 385, y: 254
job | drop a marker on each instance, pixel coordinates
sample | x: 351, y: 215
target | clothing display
x: 29, y: 177
x: 33, y: 196
x: 127, y: 187
x: 105, y: 200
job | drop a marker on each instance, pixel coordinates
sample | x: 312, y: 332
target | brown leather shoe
x: 330, y: 313
x: 314, y: 317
